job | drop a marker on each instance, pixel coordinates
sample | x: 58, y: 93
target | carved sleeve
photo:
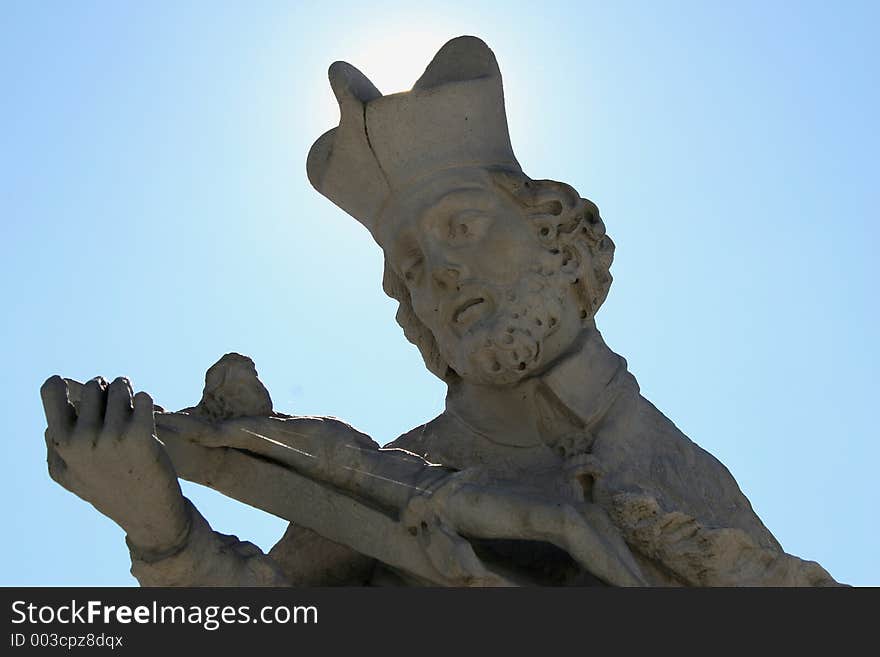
x: 207, y: 558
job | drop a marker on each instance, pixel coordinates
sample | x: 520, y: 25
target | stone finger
x: 142, y: 421
x: 60, y: 413
x: 57, y: 467
x: 91, y: 410
x: 119, y: 408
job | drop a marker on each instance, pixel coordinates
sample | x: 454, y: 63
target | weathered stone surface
x: 232, y: 389
x: 547, y: 465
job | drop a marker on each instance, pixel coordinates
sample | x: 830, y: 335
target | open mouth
x: 466, y: 310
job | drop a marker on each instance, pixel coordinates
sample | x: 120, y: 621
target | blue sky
x: 156, y: 214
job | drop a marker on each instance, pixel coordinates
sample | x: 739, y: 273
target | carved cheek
x: 506, y: 258
x: 426, y: 306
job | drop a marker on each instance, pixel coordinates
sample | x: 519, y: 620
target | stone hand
x: 471, y: 504
x: 106, y: 452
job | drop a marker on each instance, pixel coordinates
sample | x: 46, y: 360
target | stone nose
x: 446, y: 275
x: 444, y: 267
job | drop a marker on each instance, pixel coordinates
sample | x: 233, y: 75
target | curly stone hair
x: 566, y: 225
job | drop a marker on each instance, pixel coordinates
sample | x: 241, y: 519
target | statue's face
x: 479, y: 278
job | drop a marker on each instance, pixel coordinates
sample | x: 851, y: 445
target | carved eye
x: 467, y: 226
x: 458, y: 229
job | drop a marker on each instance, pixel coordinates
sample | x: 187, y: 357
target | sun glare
x: 394, y: 60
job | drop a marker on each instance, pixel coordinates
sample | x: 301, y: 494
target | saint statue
x: 547, y: 467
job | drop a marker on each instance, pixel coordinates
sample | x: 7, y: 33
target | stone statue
x: 547, y: 466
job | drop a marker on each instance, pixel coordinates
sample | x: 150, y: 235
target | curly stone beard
x: 507, y: 346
